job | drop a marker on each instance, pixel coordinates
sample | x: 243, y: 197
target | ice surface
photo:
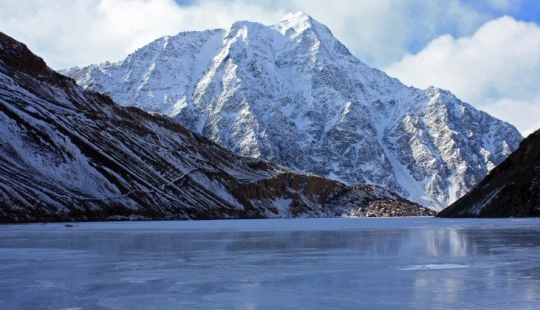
x: 412, y: 263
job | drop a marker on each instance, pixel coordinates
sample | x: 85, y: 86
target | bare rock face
x: 293, y: 94
x: 512, y: 189
x: 69, y: 154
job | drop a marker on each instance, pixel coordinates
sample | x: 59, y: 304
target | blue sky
x: 529, y: 11
x: 487, y: 52
x: 526, y: 10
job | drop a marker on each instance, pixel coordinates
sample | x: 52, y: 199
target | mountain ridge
x: 293, y: 94
x: 69, y: 154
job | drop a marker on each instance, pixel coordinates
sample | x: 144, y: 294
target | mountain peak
x: 297, y: 17
x: 292, y: 93
x: 299, y: 21
x: 17, y: 55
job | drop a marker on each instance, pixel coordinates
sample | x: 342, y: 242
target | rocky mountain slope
x: 512, y: 189
x: 293, y: 94
x: 70, y: 154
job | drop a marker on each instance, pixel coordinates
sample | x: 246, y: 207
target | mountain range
x: 72, y: 154
x: 293, y: 94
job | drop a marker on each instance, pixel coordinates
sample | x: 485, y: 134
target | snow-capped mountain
x: 512, y: 189
x: 293, y: 94
x: 71, y: 154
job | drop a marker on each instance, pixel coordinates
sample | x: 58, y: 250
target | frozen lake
x: 407, y: 263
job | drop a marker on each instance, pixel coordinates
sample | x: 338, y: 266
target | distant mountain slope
x: 70, y: 154
x: 512, y: 189
x: 293, y: 94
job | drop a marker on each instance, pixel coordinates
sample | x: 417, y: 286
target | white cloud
x: 504, y: 5
x: 79, y: 32
x: 524, y: 114
x: 381, y: 32
x: 53, y: 29
x: 496, y: 69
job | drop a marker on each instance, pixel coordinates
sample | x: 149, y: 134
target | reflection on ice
x: 334, y: 263
x: 433, y: 266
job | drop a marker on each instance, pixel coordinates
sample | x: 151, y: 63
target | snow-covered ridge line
x: 293, y: 94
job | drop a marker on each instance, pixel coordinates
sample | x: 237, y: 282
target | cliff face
x: 71, y: 154
x: 512, y: 189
